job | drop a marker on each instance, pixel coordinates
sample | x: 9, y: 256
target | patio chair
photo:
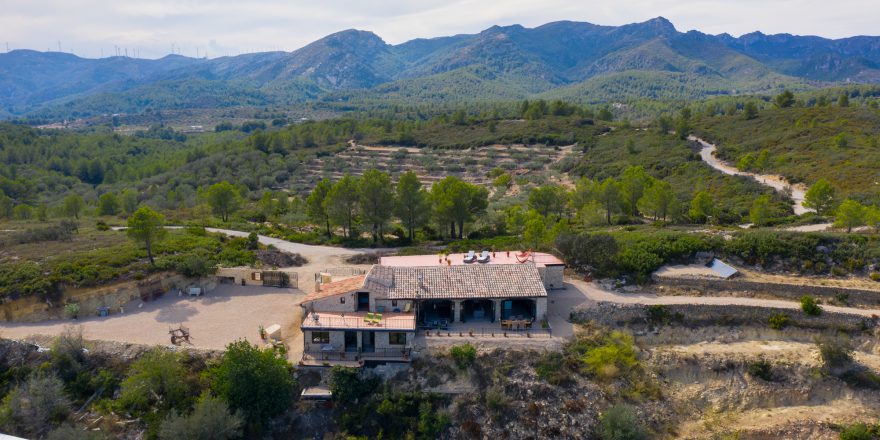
x: 407, y: 307
x: 470, y: 257
x: 484, y: 257
x: 369, y: 318
x: 377, y: 318
x: 505, y: 324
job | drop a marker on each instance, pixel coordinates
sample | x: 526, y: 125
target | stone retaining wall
x: 854, y: 297
x: 613, y: 314
x: 113, y: 296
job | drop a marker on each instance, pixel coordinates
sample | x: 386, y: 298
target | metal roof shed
x: 722, y: 269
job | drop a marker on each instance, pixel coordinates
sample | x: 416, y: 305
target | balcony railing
x: 402, y: 353
x: 359, y: 322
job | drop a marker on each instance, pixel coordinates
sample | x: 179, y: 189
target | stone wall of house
x: 553, y: 276
x: 383, y: 344
x: 613, y: 314
x: 735, y: 287
x: 540, y: 308
x: 389, y: 305
x: 334, y: 303
x: 337, y: 340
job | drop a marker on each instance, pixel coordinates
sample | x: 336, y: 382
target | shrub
x: 156, y: 380
x: 616, y: 356
x: 71, y: 310
x: 210, y: 419
x: 875, y: 276
x: 779, y: 321
x: 859, y: 431
x: 809, y: 306
x: 33, y: 407
x: 658, y: 314
x: 550, y: 367
x: 836, y: 351
x: 620, y: 423
x: 496, y: 401
x: 463, y: 355
x: 348, y: 386
x: 256, y: 383
x: 761, y: 369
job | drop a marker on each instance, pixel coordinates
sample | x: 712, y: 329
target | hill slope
x: 562, y: 59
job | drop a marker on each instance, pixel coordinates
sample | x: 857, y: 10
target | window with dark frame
x: 320, y: 337
x: 397, y: 338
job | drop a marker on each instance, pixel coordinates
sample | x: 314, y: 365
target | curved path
x: 596, y: 293
x: 796, y: 191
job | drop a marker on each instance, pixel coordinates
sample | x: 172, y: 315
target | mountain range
x: 572, y: 60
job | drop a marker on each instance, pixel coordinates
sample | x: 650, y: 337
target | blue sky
x: 228, y: 27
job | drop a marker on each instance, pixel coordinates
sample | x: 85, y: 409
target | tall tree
x: 702, y: 207
x: 608, y: 195
x: 129, y: 201
x: 760, y: 210
x: 850, y: 214
x: 784, y: 99
x: 108, y: 204
x: 73, y: 205
x: 316, y: 204
x: 821, y: 197
x: 750, y: 111
x: 658, y: 200
x: 223, y: 198
x: 146, y: 226
x: 548, y: 200
x: 342, y: 203
x: 633, y: 183
x: 376, y: 200
x: 411, y: 202
x: 456, y: 202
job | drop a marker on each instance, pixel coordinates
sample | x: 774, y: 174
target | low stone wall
x: 612, y: 314
x: 734, y: 287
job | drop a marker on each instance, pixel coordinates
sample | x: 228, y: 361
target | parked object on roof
x: 722, y: 269
x: 273, y: 332
x: 470, y: 257
x: 484, y: 257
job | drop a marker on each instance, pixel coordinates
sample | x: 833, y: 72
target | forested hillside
x: 837, y: 141
x: 580, y: 62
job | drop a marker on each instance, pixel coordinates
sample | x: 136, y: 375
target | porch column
x: 456, y: 311
x: 497, y: 309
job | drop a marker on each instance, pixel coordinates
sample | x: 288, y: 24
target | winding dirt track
x: 796, y: 191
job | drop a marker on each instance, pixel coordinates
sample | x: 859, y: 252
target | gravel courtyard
x: 224, y: 315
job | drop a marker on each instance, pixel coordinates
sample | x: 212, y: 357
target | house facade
x: 375, y: 316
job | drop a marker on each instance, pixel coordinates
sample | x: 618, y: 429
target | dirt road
x: 596, y: 293
x: 797, y: 191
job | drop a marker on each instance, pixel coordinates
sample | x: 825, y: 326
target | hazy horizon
x: 150, y: 28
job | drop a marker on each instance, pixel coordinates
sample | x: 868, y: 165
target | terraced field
x: 532, y: 163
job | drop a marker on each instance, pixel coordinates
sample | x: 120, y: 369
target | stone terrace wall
x: 855, y: 297
x: 612, y: 314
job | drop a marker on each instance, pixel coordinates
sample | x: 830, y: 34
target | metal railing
x: 402, y: 353
x: 486, y: 332
x: 360, y: 323
x: 341, y: 271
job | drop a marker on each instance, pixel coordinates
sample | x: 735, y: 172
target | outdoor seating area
x: 359, y: 320
x: 516, y: 324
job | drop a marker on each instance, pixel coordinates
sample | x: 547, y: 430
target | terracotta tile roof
x: 456, y: 281
x: 540, y: 259
x: 337, y: 288
x: 355, y: 321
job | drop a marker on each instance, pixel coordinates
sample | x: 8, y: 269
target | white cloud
x: 235, y: 26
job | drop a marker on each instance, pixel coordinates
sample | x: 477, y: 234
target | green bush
x: 779, y: 321
x: 210, y: 419
x: 836, y: 351
x: 256, y: 383
x: 158, y: 380
x: 348, y: 385
x: 619, y: 423
x: 860, y: 431
x: 615, y: 357
x: 761, y: 369
x: 809, y: 306
x: 463, y: 355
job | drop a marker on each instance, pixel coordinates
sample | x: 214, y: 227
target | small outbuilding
x: 722, y: 269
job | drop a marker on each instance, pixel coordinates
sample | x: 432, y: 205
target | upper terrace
x: 540, y: 259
